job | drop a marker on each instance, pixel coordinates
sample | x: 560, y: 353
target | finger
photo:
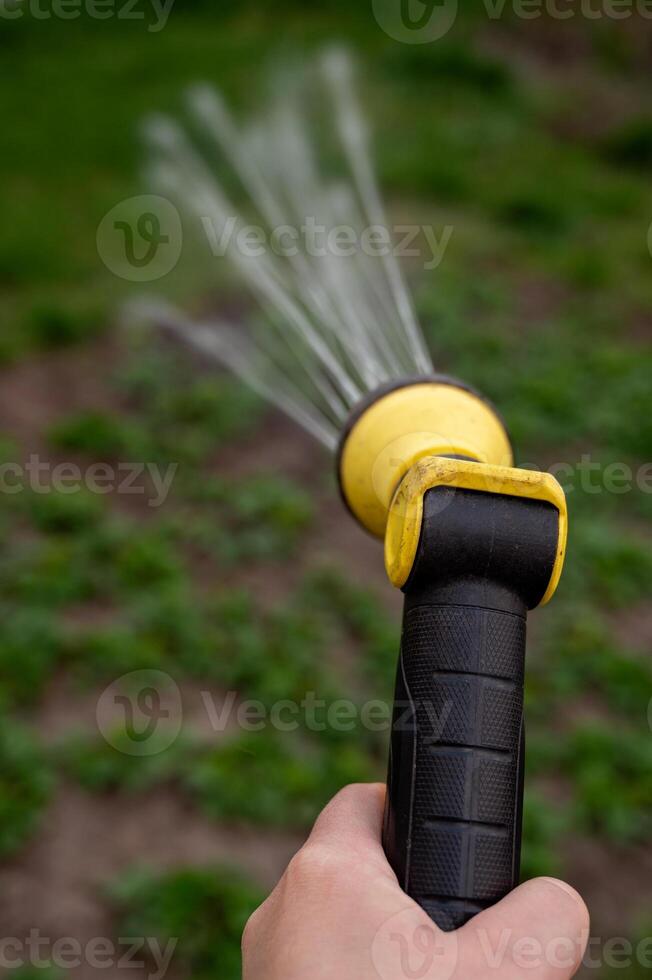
x: 353, y: 820
x: 542, y: 927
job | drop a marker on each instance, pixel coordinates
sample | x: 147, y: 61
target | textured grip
x: 452, y: 830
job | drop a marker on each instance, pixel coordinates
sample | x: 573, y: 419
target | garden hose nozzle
x: 474, y: 544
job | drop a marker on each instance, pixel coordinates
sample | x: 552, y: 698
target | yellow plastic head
x: 434, y: 417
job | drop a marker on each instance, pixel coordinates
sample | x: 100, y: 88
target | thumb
x: 542, y: 927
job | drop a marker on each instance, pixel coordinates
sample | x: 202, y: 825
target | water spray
x: 424, y: 463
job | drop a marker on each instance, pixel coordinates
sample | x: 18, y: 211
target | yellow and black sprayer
x: 474, y: 544
x: 424, y: 463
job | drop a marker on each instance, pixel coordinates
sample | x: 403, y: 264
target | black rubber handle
x: 456, y: 767
x: 455, y: 786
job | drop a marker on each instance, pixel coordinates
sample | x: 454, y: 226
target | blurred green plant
x: 102, y: 768
x: 204, y: 911
x: 182, y: 418
x: 259, y: 517
x: 274, y: 779
x: 98, y: 434
x: 631, y: 144
x: 64, y: 513
x: 30, y: 649
x: 452, y: 62
x: 579, y: 657
x: 361, y: 612
x: 611, y: 772
x: 55, y: 326
x: 26, y: 781
x: 545, y: 825
x: 608, y: 562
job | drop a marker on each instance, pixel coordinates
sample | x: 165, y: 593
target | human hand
x: 338, y: 912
